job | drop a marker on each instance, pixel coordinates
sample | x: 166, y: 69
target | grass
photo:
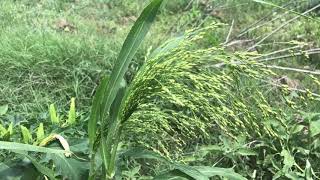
x: 53, y: 51
x: 41, y: 64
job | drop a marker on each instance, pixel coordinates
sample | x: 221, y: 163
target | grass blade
x: 129, y: 48
x: 282, y: 8
x: 223, y: 172
x: 41, y: 168
x: 4, y: 145
x: 108, y: 91
x: 141, y: 153
x: 95, y: 112
x: 190, y: 171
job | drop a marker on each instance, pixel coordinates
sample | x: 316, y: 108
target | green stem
x: 113, y: 155
x: 92, y: 166
x: 104, y: 152
x: 111, y: 147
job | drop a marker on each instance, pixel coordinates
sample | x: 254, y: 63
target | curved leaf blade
x: 128, y: 50
x: 216, y: 171
x: 4, y: 145
x: 191, y: 171
x: 41, y: 168
x: 69, y: 168
x: 95, y: 111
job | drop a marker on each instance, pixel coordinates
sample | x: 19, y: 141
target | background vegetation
x: 52, y: 51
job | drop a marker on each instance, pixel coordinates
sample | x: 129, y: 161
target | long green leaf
x: 95, y: 111
x: 172, y: 175
x: 216, y: 171
x: 110, y: 89
x: 181, y: 170
x: 27, y: 147
x: 141, y: 153
x: 191, y: 171
x: 41, y: 168
x: 69, y: 168
x: 114, y: 132
x: 128, y: 50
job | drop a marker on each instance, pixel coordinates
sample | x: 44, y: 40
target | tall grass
x: 190, y: 104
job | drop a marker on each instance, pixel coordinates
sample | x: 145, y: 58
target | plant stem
x: 92, y: 166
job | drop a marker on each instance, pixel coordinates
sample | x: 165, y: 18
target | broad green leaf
x: 172, y: 175
x: 297, y: 128
x: 12, y: 170
x: 191, y: 171
x: 288, y: 160
x: 26, y: 135
x: 27, y: 147
x: 3, y: 109
x: 314, y: 128
x: 53, y: 114
x: 216, y: 171
x: 72, y: 112
x: 69, y: 168
x: 128, y: 50
x: 79, y: 145
x: 140, y: 153
x: 41, y: 168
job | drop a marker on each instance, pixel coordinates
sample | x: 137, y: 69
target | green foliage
x: 204, y: 109
x: 112, y: 90
x: 314, y: 125
x: 178, y: 170
x: 41, y: 168
x: 68, y: 168
x: 27, y: 147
